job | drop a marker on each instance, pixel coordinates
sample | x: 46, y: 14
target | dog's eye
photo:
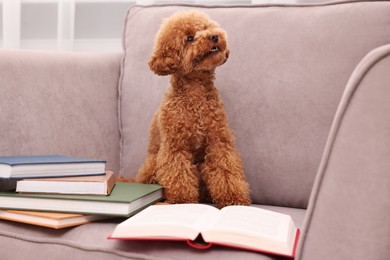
x: 190, y: 38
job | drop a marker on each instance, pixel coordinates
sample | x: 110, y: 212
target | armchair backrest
x: 287, y: 70
x: 59, y: 103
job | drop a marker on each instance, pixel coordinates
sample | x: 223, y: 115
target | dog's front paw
x: 232, y: 195
x: 181, y: 195
x: 226, y: 201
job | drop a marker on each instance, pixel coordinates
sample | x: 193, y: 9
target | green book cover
x: 124, y: 199
x: 122, y: 192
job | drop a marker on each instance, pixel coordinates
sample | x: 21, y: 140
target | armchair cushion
x: 89, y: 242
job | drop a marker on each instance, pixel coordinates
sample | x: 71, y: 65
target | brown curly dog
x: 191, y: 150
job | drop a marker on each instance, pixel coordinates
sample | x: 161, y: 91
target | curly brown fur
x: 191, y: 146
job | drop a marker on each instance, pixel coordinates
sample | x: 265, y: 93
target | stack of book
x: 60, y: 191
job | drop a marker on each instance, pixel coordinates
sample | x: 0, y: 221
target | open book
x: 241, y: 227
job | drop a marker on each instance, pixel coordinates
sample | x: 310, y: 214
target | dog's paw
x: 179, y: 196
x: 244, y: 202
x: 232, y: 199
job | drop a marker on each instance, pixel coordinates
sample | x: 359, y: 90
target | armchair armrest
x: 59, y: 103
x: 348, y: 214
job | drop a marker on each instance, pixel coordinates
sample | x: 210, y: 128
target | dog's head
x: 187, y: 42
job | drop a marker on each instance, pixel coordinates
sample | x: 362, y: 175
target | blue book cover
x: 44, y: 159
x: 49, y: 166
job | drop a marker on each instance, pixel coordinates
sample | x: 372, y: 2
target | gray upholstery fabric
x: 348, y: 215
x: 287, y: 70
x: 59, y: 103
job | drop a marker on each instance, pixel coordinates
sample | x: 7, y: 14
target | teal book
x: 125, y: 200
x: 44, y: 166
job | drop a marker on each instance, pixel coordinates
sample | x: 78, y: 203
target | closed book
x: 49, y: 219
x: 202, y: 226
x: 49, y: 166
x: 125, y: 199
x: 93, y: 185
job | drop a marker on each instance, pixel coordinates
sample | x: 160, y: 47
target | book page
x: 252, y: 228
x: 194, y: 215
x: 164, y: 221
x: 254, y: 222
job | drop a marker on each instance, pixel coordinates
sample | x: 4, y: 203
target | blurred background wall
x: 77, y: 25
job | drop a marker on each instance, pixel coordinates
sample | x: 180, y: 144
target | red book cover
x: 200, y: 244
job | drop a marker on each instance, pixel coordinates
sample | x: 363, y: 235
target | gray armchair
x: 308, y: 149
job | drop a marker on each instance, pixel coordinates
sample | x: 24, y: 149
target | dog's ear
x: 163, y: 63
x: 168, y: 47
x: 166, y: 53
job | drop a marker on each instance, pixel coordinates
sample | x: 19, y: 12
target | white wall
x: 79, y: 25
x: 74, y: 25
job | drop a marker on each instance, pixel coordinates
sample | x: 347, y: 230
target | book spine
x: 199, y: 244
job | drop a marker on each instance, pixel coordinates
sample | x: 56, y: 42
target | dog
x: 191, y: 149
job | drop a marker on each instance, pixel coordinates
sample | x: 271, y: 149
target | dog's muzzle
x: 214, y: 38
x: 214, y: 49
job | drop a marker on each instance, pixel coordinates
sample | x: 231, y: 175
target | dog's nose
x: 214, y: 38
